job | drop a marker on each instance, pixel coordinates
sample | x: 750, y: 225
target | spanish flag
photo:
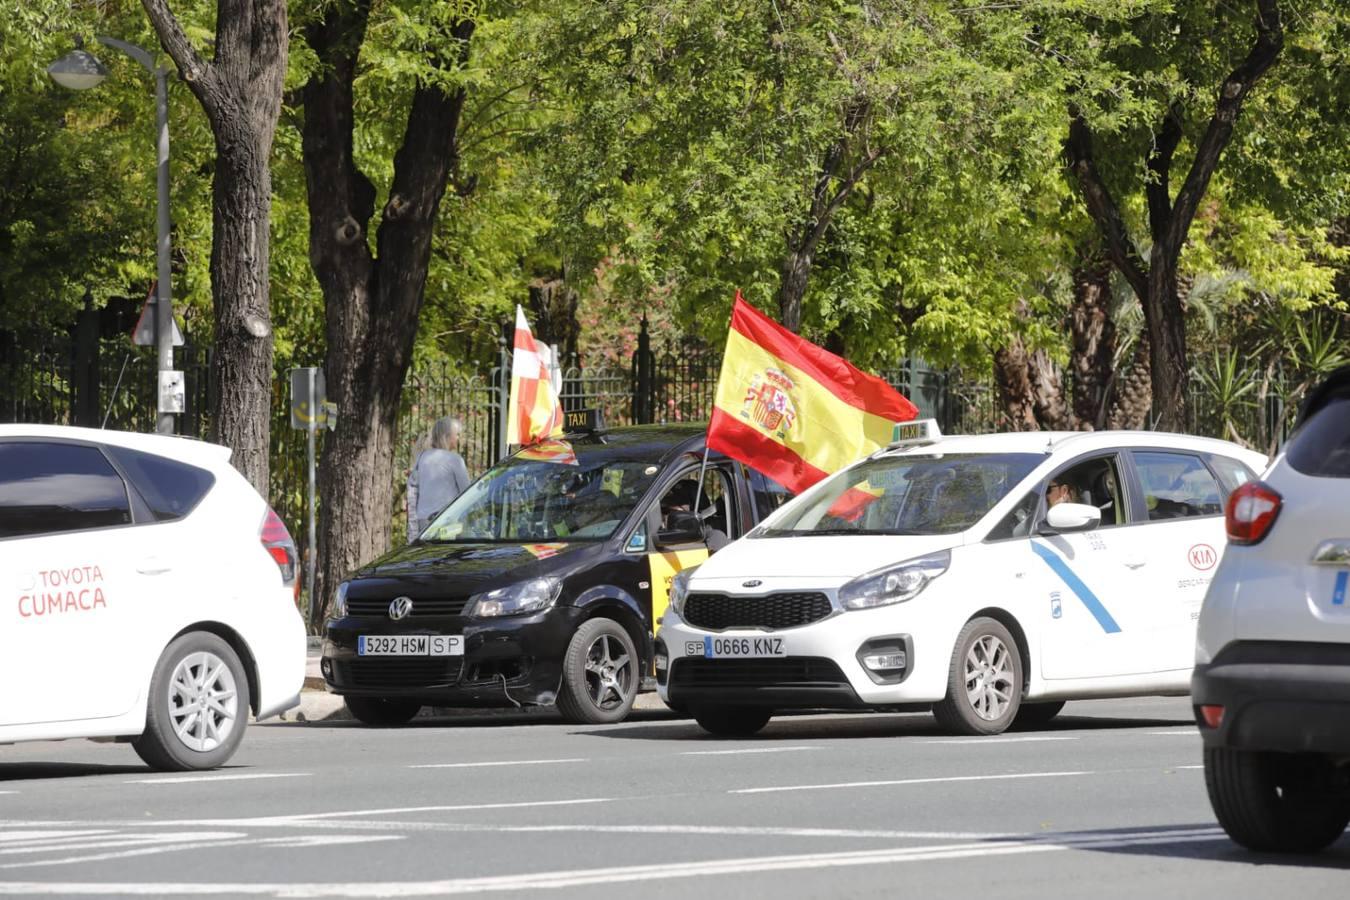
x: 534, y: 412
x: 792, y: 410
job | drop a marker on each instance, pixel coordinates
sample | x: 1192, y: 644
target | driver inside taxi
x: 681, y: 498
x: 1059, y: 491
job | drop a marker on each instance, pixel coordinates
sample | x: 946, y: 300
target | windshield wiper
x: 787, y: 532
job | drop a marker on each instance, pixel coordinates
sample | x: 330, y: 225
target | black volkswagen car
x: 542, y: 583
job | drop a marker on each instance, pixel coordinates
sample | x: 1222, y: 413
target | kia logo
x: 752, y: 583
x: 1202, y: 557
x: 400, y: 607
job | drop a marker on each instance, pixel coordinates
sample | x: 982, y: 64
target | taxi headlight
x: 522, y: 597
x: 894, y: 584
x: 679, y: 589
x: 340, y: 601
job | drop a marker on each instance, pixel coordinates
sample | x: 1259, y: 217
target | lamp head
x: 77, y: 70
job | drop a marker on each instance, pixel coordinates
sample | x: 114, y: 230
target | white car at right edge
x: 1272, y: 681
x: 989, y: 578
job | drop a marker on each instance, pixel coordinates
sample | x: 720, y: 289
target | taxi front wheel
x: 984, y: 681
x: 600, y: 674
x: 198, y: 706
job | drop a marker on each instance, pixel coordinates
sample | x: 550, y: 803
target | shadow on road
x: 852, y: 726
x: 1203, y: 841
x: 31, y: 771
x: 481, y: 718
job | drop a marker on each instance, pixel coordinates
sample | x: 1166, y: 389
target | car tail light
x: 1212, y: 715
x: 1252, y: 510
x: 276, y: 540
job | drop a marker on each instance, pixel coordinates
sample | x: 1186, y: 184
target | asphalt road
x: 1109, y: 802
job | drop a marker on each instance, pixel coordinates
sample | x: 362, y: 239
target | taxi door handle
x: 153, y: 566
x: 1136, y: 565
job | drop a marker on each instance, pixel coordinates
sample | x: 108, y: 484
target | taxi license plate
x: 737, y: 647
x: 410, y: 645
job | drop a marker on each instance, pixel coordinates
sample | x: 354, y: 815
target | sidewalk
x: 317, y: 705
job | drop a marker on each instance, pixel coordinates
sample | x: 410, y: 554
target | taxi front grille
x: 787, y: 672
x: 786, y: 610
x: 398, y: 672
x: 421, y: 607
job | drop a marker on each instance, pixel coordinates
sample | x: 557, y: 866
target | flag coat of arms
x: 534, y: 412
x: 795, y: 411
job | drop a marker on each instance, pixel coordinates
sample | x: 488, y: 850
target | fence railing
x: 62, y: 383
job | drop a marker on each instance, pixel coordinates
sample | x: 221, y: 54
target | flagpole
x: 698, y: 491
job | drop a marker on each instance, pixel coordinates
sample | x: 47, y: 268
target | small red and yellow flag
x: 534, y: 412
x: 795, y: 411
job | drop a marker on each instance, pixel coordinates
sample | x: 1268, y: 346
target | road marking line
x: 164, y: 843
x: 903, y: 781
x: 198, y: 779
x: 628, y: 874
x: 19, y: 838
x: 999, y: 740
x: 509, y: 762
x: 1184, y: 732
x: 747, y: 750
x: 1188, y: 767
x: 309, y: 817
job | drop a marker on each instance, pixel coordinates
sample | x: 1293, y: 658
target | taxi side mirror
x: 683, y: 528
x: 1069, y: 517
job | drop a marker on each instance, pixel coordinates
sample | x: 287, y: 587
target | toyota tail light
x: 1252, y: 510
x: 276, y: 540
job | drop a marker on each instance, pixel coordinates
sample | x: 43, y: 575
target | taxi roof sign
x: 919, y: 431
x: 582, y: 421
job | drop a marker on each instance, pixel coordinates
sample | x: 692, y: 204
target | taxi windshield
x: 908, y: 494
x: 553, y: 491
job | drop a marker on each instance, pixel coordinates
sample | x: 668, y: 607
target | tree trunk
x: 240, y: 92
x: 796, y: 271
x: 372, y: 301
x: 1012, y: 378
x: 1132, y: 395
x: 1092, y: 335
x: 242, y: 361
x: 1166, y: 322
x: 553, y: 309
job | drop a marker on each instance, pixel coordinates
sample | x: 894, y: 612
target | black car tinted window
x: 170, y: 488
x: 49, y: 487
x: 1321, y: 447
x: 769, y: 494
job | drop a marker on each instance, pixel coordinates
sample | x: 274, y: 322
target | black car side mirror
x: 682, y: 527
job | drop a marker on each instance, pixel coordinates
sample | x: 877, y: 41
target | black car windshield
x: 907, y: 494
x: 554, y: 491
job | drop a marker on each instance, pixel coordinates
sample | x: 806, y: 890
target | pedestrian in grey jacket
x: 437, y: 477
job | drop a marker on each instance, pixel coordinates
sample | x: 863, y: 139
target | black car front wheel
x: 600, y: 674
x: 382, y: 711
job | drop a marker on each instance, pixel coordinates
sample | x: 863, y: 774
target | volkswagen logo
x: 752, y: 583
x: 400, y: 607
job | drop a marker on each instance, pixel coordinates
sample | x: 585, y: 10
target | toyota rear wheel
x: 198, y: 705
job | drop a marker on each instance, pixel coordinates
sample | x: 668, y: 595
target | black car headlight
x: 530, y: 596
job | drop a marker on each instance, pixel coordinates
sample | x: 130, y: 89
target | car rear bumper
x: 506, y: 662
x: 1286, y: 696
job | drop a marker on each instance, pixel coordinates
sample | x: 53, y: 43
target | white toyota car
x: 148, y: 595
x: 989, y: 578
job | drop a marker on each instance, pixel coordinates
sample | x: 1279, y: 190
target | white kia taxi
x: 989, y: 578
x: 148, y: 595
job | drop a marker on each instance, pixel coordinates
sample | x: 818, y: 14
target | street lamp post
x: 79, y: 70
